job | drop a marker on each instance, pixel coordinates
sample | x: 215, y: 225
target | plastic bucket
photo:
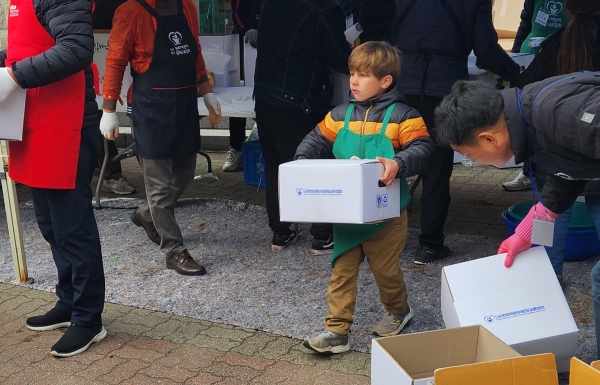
x: 582, y: 243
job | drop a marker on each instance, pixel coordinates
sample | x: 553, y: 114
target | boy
x: 375, y: 124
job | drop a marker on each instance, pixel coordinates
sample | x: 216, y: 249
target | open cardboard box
x: 523, y: 305
x: 529, y: 370
x: 584, y: 374
x: 412, y: 359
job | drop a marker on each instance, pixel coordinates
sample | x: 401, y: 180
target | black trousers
x: 279, y: 137
x: 66, y: 220
x: 237, y: 133
x: 435, y: 196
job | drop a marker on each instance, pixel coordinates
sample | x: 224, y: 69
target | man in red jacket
x: 57, y: 155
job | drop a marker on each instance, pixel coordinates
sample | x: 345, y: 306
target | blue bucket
x: 582, y: 240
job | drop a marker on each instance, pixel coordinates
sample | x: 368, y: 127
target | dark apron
x: 165, y: 102
x: 349, y: 144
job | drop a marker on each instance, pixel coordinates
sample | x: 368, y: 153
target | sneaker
x: 117, y: 186
x: 322, y: 247
x: 521, y: 182
x: 76, y: 340
x: 328, y: 342
x: 234, y: 160
x: 280, y: 242
x: 54, y: 319
x: 425, y: 255
x: 392, y: 324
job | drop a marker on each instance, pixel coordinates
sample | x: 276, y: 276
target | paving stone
x: 126, y: 370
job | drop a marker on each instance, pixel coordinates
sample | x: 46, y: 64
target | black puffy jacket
x: 562, y: 123
x: 70, y: 25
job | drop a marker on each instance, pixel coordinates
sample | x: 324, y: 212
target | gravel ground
x: 250, y: 286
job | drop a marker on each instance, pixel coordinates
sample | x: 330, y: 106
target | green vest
x: 549, y: 16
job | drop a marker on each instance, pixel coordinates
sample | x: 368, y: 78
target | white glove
x: 213, y: 107
x: 251, y: 37
x: 109, y: 125
x: 7, y: 84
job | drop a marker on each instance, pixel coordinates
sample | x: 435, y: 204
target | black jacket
x: 436, y: 44
x: 557, y: 125
x: 298, y: 42
x: 373, y: 16
x: 69, y: 24
x: 525, y: 25
x: 245, y: 14
x: 544, y: 63
x: 412, y: 158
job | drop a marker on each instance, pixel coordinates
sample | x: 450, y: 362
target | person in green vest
x: 374, y: 124
x: 539, y: 19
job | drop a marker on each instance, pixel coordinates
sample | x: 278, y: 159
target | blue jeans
x: 556, y: 253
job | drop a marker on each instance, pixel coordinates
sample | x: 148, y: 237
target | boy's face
x: 491, y: 146
x: 366, y: 85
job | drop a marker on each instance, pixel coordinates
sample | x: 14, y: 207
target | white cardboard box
x: 12, y: 113
x: 523, y: 305
x: 522, y: 59
x: 336, y: 191
x: 249, y: 64
x: 511, y: 164
x: 230, y: 45
x: 411, y: 359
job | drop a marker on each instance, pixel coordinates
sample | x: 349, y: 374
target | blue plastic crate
x: 254, y: 164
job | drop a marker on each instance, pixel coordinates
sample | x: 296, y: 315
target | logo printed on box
x: 512, y: 314
x: 382, y: 200
x: 317, y: 191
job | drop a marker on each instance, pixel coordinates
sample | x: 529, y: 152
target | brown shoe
x: 184, y: 264
x: 151, y: 232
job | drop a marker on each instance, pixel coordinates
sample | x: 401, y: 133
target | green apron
x: 349, y: 144
x: 549, y: 16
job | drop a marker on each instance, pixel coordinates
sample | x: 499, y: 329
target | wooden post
x: 9, y: 192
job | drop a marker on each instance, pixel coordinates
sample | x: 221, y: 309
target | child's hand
x: 390, y: 170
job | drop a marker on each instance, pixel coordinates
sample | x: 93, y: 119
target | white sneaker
x: 521, y: 182
x: 233, y: 161
x: 117, y: 186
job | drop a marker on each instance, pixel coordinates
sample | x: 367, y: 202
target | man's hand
x: 109, y: 125
x: 8, y: 84
x: 251, y: 37
x: 390, y: 170
x: 213, y: 107
x: 512, y: 246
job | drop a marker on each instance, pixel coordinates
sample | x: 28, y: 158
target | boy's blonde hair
x: 376, y: 57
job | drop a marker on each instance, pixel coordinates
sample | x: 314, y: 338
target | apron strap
x: 386, y: 118
x: 148, y: 8
x: 348, y: 115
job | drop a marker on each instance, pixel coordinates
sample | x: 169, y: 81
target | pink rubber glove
x: 521, y: 239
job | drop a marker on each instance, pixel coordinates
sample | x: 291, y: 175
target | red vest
x: 48, y: 155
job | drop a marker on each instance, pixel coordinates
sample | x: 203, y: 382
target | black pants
x: 435, y: 197
x: 237, y: 133
x: 66, y: 220
x: 279, y: 137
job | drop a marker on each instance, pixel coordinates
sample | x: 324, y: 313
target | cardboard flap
x: 490, y: 347
x: 595, y: 365
x: 538, y: 369
x: 583, y: 374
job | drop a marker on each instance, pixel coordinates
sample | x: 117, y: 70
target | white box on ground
x: 229, y: 44
x: 336, y: 191
x: 523, y: 305
x: 411, y: 359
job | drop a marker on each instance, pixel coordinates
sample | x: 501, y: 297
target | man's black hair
x: 471, y: 107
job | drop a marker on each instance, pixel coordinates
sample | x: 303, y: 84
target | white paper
x: 12, y: 113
